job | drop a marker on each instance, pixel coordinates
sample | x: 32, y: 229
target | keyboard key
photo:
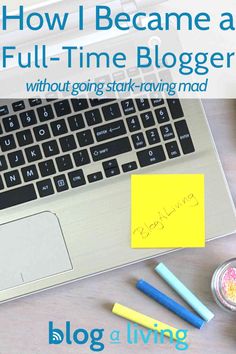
x: 79, y: 104
x: 110, y: 149
x: 42, y: 132
x: 112, y: 172
x: 128, y: 167
x: 28, y: 118
x: 95, y: 177
x: 24, y: 138
x: 12, y: 178
x: 1, y: 184
x: 110, y: 130
x: 11, y: 123
x: 62, y: 108
x: 148, y: 69
x: 128, y: 107
x: 133, y: 124
x: 61, y: 183
x: 45, y: 113
x: 151, y: 156
x: 81, y: 158
x: 68, y: 143
x: 3, y: 163
x: 103, y: 79
x: 184, y: 137
x: 119, y: 75
x: 148, y: 119
x: 167, y: 132
x: 110, y: 164
x: 30, y: 173
x: 16, y: 159
x: 85, y: 138
x: 76, y: 122
x: 4, y: 111
x: 18, y: 106
x: 153, y: 136
x: 45, y: 188
x: 17, y: 196
x: 64, y: 163
x: 50, y: 148
x: 59, y: 127
x: 7, y: 143
x: 111, y: 112
x: 77, y: 179
x: 143, y: 104
x: 175, y: 108
x: 132, y: 72
x: 51, y: 97
x: 98, y: 102
x: 35, y: 102
x: 33, y: 153
x: 172, y: 150
x: 138, y: 141
x: 157, y: 102
x: 47, y: 168
x: 93, y: 117
x: 162, y: 115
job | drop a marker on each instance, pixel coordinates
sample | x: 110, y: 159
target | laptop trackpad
x: 31, y: 249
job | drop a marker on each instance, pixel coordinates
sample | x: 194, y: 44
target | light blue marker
x: 184, y: 292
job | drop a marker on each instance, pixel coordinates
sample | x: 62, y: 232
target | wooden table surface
x: 87, y: 304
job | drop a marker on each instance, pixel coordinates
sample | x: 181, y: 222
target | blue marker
x: 170, y: 304
x: 184, y: 292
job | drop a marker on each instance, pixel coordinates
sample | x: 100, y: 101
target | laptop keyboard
x: 52, y: 146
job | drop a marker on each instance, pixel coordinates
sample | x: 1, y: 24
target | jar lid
x: 224, y: 285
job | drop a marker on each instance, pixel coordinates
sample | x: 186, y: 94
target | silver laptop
x: 65, y: 168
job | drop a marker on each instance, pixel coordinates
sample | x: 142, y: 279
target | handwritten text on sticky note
x: 167, y: 211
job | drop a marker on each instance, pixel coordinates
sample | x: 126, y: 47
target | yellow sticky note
x: 167, y: 211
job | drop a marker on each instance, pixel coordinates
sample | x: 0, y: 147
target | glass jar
x: 223, y: 285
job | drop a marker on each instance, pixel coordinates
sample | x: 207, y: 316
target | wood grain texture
x: 87, y: 304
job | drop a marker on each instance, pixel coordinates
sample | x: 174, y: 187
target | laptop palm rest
x: 31, y: 249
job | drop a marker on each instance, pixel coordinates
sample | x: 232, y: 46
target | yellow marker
x: 144, y: 320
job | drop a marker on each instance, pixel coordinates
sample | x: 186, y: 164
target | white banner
x: 118, y: 48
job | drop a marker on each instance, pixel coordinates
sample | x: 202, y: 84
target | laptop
x: 65, y: 167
